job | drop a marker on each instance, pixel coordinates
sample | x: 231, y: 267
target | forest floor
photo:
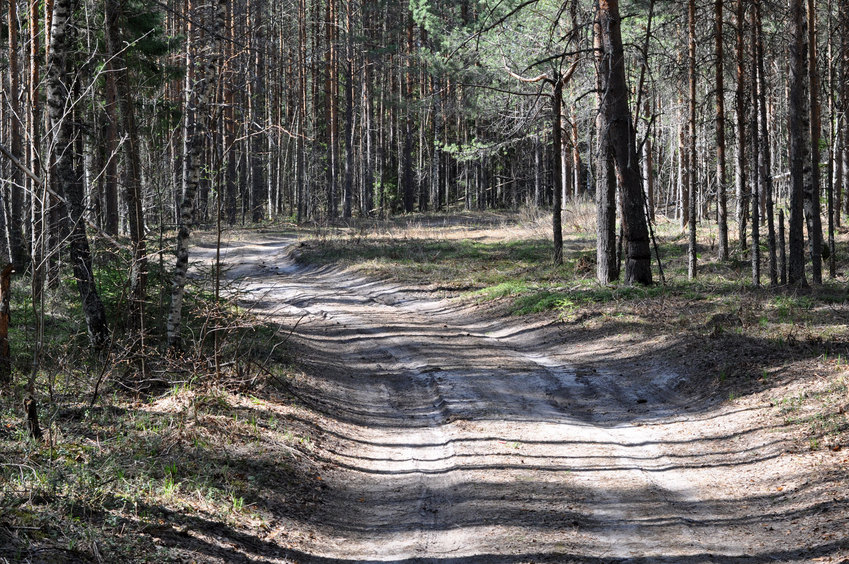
x: 652, y: 429
x: 448, y: 397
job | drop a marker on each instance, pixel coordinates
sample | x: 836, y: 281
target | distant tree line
x: 129, y: 121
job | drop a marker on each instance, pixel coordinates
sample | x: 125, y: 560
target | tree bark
x: 756, y: 151
x: 648, y: 167
x: 799, y: 153
x: 38, y: 193
x: 67, y: 175
x: 721, y: 193
x: 813, y: 213
x: 5, y: 315
x: 16, y: 180
x: 201, y: 66
x: 615, y: 118
x: 740, y: 149
x: 765, y: 155
x: 349, y: 113
x: 557, y: 155
x: 133, y: 190
x: 258, y: 194
x: 408, y: 187
x: 692, y: 267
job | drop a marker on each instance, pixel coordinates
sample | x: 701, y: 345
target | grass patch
x: 507, y: 260
x: 115, y: 479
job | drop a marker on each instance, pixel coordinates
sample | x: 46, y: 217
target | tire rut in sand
x: 458, y: 439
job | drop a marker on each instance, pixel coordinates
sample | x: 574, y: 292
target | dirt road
x: 454, y: 437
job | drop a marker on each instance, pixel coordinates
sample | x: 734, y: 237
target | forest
x: 214, y: 213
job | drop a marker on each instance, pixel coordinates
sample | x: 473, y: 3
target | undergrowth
x: 143, y: 444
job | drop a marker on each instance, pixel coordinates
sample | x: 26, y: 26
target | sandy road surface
x: 455, y: 438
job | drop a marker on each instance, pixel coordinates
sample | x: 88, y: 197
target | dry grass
x: 142, y: 480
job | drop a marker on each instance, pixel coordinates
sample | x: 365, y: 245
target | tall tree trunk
x: 606, y: 256
x: 110, y: 173
x: 6, y: 269
x: 259, y: 164
x: 6, y: 258
x: 38, y: 193
x: 368, y: 117
x: 607, y: 262
x: 721, y: 193
x: 765, y: 155
x: 813, y: 214
x: 799, y: 154
x: 408, y: 187
x: 5, y: 314
x: 557, y: 155
x: 648, y: 167
x: 616, y: 120
x: 330, y: 88
x: 67, y: 175
x: 756, y: 151
x: 832, y: 142
x: 16, y: 180
x: 683, y: 170
x: 842, y: 156
x: 230, y: 144
x: 435, y: 168
x: 740, y: 149
x: 691, y: 136
x: 201, y: 65
x: 133, y: 193
x: 349, y: 113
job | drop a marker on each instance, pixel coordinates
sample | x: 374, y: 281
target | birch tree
x: 201, y: 68
x: 68, y: 175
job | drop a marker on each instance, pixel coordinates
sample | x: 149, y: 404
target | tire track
x: 466, y: 440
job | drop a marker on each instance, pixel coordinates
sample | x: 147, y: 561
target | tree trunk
x: 812, y: 187
x: 782, y: 253
x: 230, y: 170
x: 648, y: 168
x: 683, y: 171
x: 691, y: 137
x: 799, y: 154
x: 408, y: 187
x: 842, y: 121
x: 349, y: 113
x: 434, y: 199
x: 201, y: 66
x: 110, y: 173
x: 557, y: 155
x: 765, y: 155
x: 5, y: 310
x: 37, y: 190
x: 134, y: 196
x: 16, y: 181
x: 740, y: 149
x: 258, y: 196
x: 607, y: 261
x: 67, y: 175
x: 615, y: 118
x: 721, y: 196
x: 756, y: 151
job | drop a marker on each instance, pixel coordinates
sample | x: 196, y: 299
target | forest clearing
x: 468, y: 281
